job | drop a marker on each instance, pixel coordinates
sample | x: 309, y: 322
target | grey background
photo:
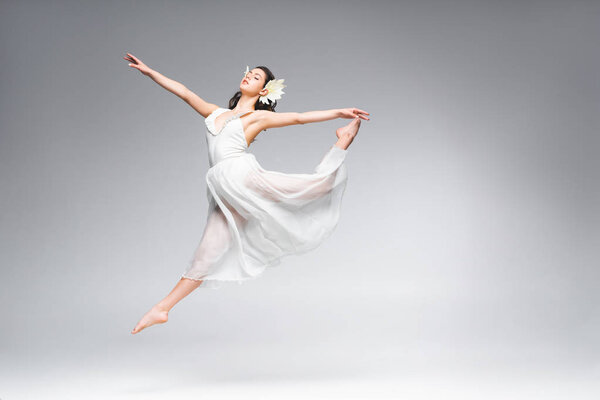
x: 465, y: 261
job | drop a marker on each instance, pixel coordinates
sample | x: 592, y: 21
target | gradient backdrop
x: 465, y: 264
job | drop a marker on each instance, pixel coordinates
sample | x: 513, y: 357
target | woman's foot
x: 346, y: 133
x: 156, y: 315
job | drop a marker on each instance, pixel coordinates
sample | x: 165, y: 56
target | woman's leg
x: 215, y: 241
x: 159, y: 314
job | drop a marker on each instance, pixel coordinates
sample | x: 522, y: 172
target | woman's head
x: 253, y: 84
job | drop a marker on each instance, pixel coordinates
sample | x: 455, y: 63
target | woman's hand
x: 353, y: 113
x: 138, y: 64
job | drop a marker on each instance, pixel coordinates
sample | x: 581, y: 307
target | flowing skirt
x: 257, y: 216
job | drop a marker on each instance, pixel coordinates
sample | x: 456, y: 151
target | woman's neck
x: 246, y: 103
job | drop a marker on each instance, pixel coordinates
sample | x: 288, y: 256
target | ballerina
x: 255, y: 216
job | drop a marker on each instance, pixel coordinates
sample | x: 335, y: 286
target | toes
x: 137, y: 328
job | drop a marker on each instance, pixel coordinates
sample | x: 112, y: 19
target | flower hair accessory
x: 274, y: 89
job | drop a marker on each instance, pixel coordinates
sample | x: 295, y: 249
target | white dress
x: 257, y: 216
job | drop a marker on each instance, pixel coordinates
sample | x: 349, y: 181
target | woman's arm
x: 197, y: 103
x: 318, y: 116
x: 269, y: 119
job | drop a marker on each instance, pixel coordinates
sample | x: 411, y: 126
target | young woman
x: 255, y: 216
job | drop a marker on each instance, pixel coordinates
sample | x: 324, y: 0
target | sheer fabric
x: 257, y: 216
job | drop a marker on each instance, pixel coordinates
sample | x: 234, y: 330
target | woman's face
x: 253, y: 82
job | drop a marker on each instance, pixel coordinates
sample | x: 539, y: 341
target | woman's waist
x: 230, y: 156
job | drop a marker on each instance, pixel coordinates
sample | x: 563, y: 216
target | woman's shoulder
x: 262, y: 115
x: 263, y: 112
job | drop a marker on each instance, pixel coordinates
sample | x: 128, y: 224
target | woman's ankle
x: 162, y: 307
x: 343, y: 143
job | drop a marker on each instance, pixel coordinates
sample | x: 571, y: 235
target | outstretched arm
x: 326, y: 115
x: 197, y: 103
x: 275, y: 120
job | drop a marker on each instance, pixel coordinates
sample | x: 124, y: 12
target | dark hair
x: 259, y: 104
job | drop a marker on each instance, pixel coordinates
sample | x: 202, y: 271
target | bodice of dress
x: 229, y: 142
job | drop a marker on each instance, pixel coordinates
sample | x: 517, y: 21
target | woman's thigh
x: 215, y: 241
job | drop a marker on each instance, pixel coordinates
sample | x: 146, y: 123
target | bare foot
x: 347, y: 133
x: 156, y: 315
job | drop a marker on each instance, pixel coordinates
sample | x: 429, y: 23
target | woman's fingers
x: 134, y: 62
x: 355, y: 113
x: 134, y: 57
x: 358, y: 110
x: 360, y: 113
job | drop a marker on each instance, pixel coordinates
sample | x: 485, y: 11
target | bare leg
x: 347, y: 133
x: 215, y: 240
x: 159, y: 314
